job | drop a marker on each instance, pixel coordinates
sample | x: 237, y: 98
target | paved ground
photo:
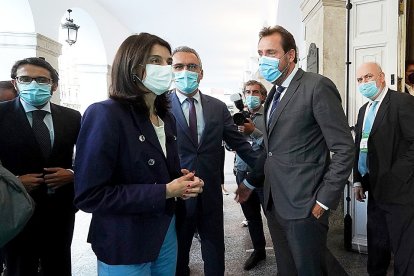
x: 237, y: 241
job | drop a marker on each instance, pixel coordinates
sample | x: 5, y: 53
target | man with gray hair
x: 203, y: 122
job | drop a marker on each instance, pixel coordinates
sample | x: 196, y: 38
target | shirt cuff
x: 357, y: 184
x: 256, y: 133
x: 248, y: 185
x: 71, y: 171
x: 323, y: 206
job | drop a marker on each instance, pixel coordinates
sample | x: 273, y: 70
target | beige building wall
x: 325, y: 25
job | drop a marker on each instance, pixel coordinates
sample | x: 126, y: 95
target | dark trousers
x: 45, y: 241
x: 211, y: 230
x: 251, y: 210
x: 299, y: 244
x: 390, y: 227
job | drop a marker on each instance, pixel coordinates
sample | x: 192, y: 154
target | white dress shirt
x: 185, y: 106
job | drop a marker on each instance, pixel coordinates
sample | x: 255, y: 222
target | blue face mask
x: 253, y: 102
x: 368, y: 89
x: 269, y: 68
x: 35, y: 94
x: 186, y: 81
x: 158, y: 78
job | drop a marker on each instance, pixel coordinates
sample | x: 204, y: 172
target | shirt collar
x: 29, y: 108
x: 260, y: 111
x: 182, y: 97
x: 289, y: 78
x: 380, y: 96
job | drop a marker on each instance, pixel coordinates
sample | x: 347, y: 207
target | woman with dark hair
x: 127, y: 165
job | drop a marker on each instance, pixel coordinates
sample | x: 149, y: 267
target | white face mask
x: 158, y: 78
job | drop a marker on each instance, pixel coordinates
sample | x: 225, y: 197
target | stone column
x: 15, y: 46
x: 325, y: 25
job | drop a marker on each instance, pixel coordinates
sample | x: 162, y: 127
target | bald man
x: 384, y: 166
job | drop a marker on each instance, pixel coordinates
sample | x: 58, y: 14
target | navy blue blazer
x: 206, y: 157
x: 120, y: 177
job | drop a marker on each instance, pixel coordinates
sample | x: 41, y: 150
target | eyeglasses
x: 190, y: 67
x: 28, y: 80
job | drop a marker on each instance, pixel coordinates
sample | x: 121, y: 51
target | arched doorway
x: 83, y: 66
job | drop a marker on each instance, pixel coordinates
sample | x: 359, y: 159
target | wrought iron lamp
x: 72, y: 29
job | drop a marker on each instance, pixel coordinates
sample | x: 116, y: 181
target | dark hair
x: 7, y: 85
x: 288, y: 41
x: 263, y: 90
x: 37, y: 61
x: 409, y: 62
x: 129, y: 60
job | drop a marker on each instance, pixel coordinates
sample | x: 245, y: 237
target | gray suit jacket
x: 308, y: 124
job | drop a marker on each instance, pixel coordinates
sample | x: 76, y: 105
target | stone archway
x: 83, y: 66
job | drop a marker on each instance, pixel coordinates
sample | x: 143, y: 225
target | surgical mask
x: 253, y: 102
x: 35, y: 94
x: 186, y: 81
x: 158, y: 78
x: 368, y: 89
x: 269, y: 68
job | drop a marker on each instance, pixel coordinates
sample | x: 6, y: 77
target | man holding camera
x: 255, y: 94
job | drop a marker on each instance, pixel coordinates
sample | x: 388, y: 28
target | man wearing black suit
x: 37, y: 144
x: 384, y: 166
x: 304, y: 122
x: 409, y: 77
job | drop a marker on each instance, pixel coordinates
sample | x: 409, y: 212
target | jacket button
x: 270, y: 154
x: 141, y: 138
x: 151, y: 162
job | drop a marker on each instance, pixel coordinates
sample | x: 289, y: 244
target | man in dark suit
x: 304, y: 122
x: 409, y: 77
x: 37, y: 144
x: 384, y: 166
x: 203, y: 122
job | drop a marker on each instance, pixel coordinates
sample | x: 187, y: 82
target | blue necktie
x: 276, y: 97
x: 192, y: 120
x: 369, y: 120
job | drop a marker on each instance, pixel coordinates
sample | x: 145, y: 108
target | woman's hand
x: 185, y: 187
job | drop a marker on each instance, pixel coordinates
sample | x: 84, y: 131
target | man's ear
x: 54, y: 88
x: 200, y: 76
x: 14, y: 82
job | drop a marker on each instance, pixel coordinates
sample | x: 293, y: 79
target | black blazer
x: 390, y: 150
x: 21, y: 154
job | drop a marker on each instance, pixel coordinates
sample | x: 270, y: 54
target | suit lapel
x: 143, y: 123
x: 179, y: 116
x: 26, y: 128
x: 381, y: 112
x: 291, y: 90
x: 266, y: 108
x: 207, y: 111
x: 58, y: 128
